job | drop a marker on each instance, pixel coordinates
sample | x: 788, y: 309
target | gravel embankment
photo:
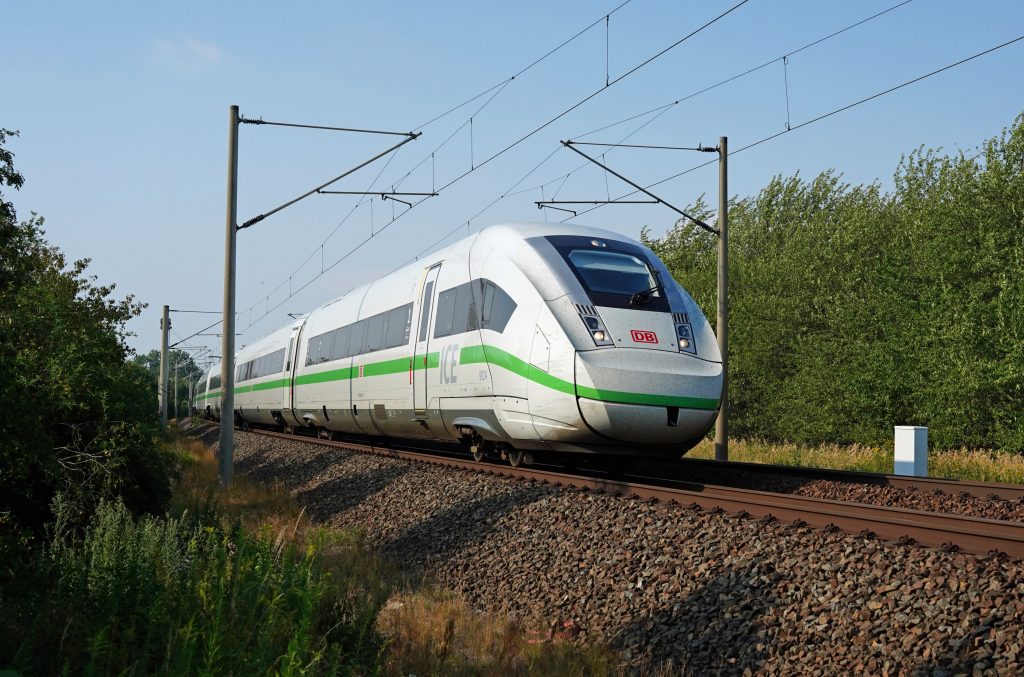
x: 671, y: 588
x: 961, y: 504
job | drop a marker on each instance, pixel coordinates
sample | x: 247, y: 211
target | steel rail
x: 974, y: 488
x: 974, y: 535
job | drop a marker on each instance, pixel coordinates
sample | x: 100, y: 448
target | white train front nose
x: 659, y: 398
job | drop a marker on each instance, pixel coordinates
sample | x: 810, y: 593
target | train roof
x: 517, y: 230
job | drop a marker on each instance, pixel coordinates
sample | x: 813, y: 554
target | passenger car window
x: 326, y: 346
x: 375, y: 332
x: 313, y: 352
x: 464, y: 318
x: 356, y: 336
x: 340, y: 343
x: 398, y: 326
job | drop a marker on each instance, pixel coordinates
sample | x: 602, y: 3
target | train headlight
x: 595, y: 325
x: 685, y: 337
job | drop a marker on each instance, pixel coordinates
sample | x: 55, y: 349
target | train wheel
x: 479, y: 455
x: 516, y: 457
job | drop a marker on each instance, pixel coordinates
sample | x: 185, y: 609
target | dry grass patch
x: 433, y: 632
x: 962, y: 464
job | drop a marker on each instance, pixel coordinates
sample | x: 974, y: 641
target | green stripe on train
x: 498, y: 357
x: 485, y: 354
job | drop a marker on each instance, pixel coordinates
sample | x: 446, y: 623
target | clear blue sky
x: 122, y: 109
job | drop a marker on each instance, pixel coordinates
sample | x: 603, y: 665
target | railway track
x: 980, y: 489
x: 969, y: 534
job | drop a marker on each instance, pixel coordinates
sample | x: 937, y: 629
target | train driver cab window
x: 614, y: 274
x: 445, y: 313
x: 496, y: 308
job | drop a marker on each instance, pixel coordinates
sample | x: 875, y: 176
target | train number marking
x: 640, y: 336
x: 449, y: 360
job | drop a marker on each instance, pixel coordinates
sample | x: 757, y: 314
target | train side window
x: 356, y: 341
x: 445, y: 313
x: 313, y: 351
x: 498, y: 307
x: 488, y: 302
x: 214, y: 382
x: 340, y: 343
x: 398, y: 326
x: 465, y: 310
x: 326, y: 346
x: 375, y: 332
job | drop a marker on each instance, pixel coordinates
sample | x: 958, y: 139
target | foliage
x: 241, y: 582
x: 188, y: 373
x: 8, y: 177
x: 853, y: 310
x: 175, y: 596
x: 78, y: 417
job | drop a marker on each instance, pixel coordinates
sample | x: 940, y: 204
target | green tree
x: 78, y: 415
x: 188, y: 373
x: 853, y: 310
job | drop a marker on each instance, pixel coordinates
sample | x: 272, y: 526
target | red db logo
x: 643, y: 336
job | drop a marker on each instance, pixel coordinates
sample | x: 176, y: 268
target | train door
x: 420, y: 359
x: 290, y: 369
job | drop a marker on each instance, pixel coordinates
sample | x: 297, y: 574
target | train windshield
x: 616, y: 274
x: 612, y: 272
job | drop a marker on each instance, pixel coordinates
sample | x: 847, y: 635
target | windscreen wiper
x: 642, y: 297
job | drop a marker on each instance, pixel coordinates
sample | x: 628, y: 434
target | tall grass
x: 176, y: 595
x: 241, y: 582
x: 962, y: 464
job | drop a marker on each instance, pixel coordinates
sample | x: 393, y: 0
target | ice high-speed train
x: 519, y: 340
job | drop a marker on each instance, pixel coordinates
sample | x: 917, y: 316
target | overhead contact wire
x: 824, y: 116
x: 535, y: 131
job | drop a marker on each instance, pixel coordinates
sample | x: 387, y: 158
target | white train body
x: 207, y: 393
x: 537, y: 337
